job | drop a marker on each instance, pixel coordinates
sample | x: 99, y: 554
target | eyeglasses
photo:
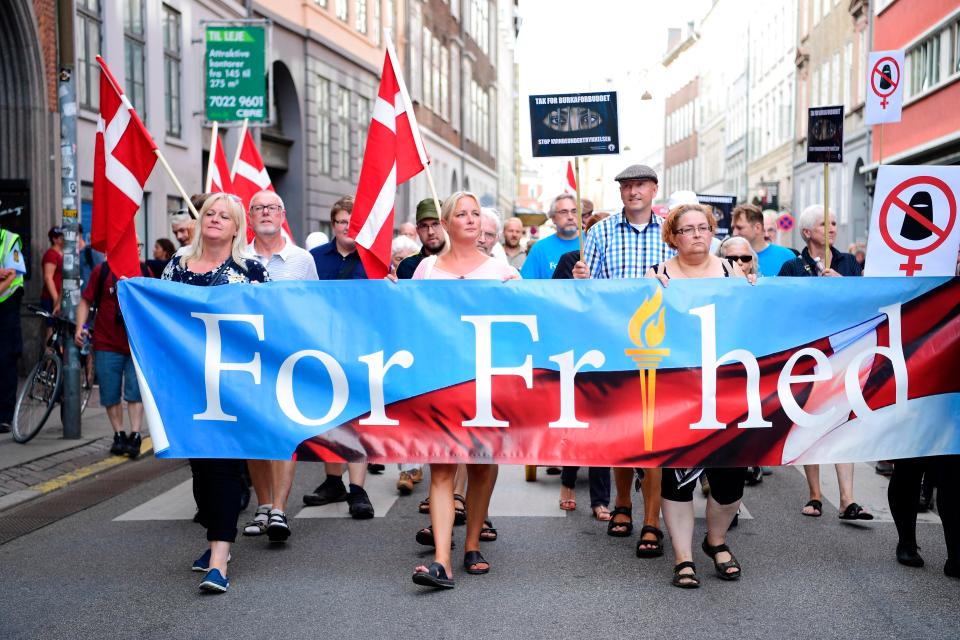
x: 269, y: 208
x: 745, y: 259
x: 340, y: 223
x: 428, y: 226
x: 703, y: 229
x: 566, y: 211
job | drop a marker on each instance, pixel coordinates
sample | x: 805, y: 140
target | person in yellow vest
x: 12, y: 268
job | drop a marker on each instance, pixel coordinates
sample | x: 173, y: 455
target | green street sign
x: 236, y: 73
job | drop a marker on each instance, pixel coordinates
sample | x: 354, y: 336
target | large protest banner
x: 557, y: 372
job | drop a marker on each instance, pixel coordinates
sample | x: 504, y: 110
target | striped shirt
x: 290, y: 263
x: 616, y: 249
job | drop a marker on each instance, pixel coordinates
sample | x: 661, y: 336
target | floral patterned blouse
x: 228, y: 272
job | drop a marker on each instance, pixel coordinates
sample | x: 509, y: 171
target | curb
x: 24, y: 495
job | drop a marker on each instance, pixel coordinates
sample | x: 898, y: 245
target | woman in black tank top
x: 689, y: 229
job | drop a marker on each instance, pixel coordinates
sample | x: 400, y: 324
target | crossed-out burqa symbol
x: 918, y: 222
x: 888, y: 85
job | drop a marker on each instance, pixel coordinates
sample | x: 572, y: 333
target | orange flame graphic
x: 655, y: 330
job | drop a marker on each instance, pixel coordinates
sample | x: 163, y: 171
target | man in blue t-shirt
x: 748, y: 223
x: 545, y: 254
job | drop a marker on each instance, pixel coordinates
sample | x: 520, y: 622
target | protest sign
x: 474, y: 371
x: 913, y: 226
x: 825, y: 134
x: 574, y: 124
x: 884, y: 101
x: 722, y: 211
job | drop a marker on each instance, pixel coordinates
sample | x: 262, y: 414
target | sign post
x: 825, y: 144
x: 575, y: 124
x: 235, y: 73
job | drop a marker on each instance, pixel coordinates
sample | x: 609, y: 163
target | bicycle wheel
x: 37, y: 397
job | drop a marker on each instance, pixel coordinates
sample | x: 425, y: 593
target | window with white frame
x: 444, y: 83
x: 342, y: 10
x: 427, y: 43
x: 171, y: 70
x: 135, y: 54
x: 324, y: 124
x: 850, y: 79
x: 480, y: 23
x: 934, y: 60
x: 360, y: 16
x: 88, y: 28
x: 835, y: 77
x: 377, y: 26
x: 343, y: 132
x: 435, y: 76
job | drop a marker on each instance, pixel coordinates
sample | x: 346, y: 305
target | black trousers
x: 726, y: 485
x: 599, y: 483
x: 217, y: 488
x: 11, y: 346
x: 903, y: 495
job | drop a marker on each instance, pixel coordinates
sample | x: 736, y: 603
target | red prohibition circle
x: 895, y: 195
x: 876, y: 72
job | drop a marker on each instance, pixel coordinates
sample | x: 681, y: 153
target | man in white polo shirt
x: 283, y: 260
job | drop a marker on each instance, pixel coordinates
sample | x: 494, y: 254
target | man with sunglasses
x: 748, y: 223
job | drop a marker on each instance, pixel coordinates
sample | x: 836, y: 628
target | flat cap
x: 637, y: 172
x: 427, y: 210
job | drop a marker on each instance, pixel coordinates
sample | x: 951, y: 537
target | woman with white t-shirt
x: 460, y: 217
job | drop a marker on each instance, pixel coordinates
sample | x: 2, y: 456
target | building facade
x: 680, y: 141
x: 771, y: 41
x: 830, y: 60
x: 929, y: 132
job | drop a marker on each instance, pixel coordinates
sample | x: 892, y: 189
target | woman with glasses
x: 737, y: 251
x: 689, y: 229
x: 216, y: 258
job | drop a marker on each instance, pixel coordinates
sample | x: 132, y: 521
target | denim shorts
x: 114, y: 369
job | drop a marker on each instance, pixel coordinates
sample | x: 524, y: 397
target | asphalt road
x: 91, y: 575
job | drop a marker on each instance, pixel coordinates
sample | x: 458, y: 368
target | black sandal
x: 656, y: 546
x: 459, y: 513
x: 722, y: 567
x: 488, y: 533
x: 855, y: 512
x: 424, y: 506
x: 435, y: 576
x: 425, y: 537
x: 816, y: 505
x: 620, y: 529
x: 685, y: 580
x: 472, y: 558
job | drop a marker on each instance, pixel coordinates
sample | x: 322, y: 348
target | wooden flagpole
x: 236, y: 156
x: 213, y: 141
x: 826, y: 216
x: 176, y: 183
x: 576, y: 171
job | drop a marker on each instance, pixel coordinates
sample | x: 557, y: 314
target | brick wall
x: 46, y: 13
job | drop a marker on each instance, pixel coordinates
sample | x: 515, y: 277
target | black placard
x: 825, y: 134
x: 574, y: 124
x: 722, y: 211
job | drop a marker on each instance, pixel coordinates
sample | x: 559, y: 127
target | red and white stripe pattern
x: 571, y: 186
x: 219, y: 178
x: 124, y: 157
x: 394, y: 154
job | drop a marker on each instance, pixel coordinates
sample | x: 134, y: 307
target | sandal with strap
x: 425, y: 537
x: 459, y: 513
x: 817, y: 507
x: 855, y: 512
x: 424, y: 506
x: 473, y: 558
x: 722, y: 567
x: 433, y: 576
x: 620, y: 529
x: 258, y: 526
x: 685, y: 580
x: 654, y: 547
x: 488, y: 533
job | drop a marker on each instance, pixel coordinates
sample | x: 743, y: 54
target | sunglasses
x: 747, y: 258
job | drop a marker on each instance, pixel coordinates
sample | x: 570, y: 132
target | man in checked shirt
x: 625, y: 245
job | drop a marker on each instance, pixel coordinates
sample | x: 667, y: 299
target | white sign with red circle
x: 913, y: 227
x: 884, y: 87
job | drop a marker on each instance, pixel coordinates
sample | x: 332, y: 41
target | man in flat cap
x: 625, y: 245
x: 431, y: 237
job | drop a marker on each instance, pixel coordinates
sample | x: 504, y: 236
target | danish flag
x: 571, y: 186
x: 250, y: 176
x: 124, y: 157
x: 218, y: 178
x: 393, y: 155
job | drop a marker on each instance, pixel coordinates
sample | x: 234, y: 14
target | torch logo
x: 647, y: 329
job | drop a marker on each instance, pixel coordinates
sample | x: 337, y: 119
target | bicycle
x: 44, y: 385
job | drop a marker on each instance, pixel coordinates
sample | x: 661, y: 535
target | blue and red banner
x: 597, y: 373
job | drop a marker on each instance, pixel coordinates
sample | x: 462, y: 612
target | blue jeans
x: 115, y: 370
x: 599, y: 483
